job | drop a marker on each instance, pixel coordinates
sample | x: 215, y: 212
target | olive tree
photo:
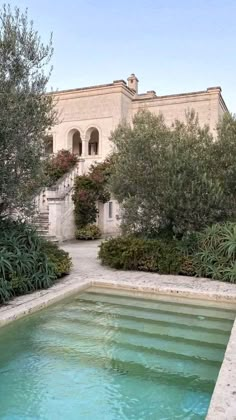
x: 166, y: 178
x: 224, y: 154
x: 26, y: 111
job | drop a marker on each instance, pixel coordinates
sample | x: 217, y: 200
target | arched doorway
x: 93, y: 144
x: 76, y: 143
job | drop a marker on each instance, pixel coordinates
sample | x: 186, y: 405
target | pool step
x: 171, y: 307
x: 99, y: 357
x: 199, y: 321
x: 169, y: 300
x: 151, y: 343
x: 159, y: 320
x: 120, y: 353
x: 156, y: 338
x: 177, y: 332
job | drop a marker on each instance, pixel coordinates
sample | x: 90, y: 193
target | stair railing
x: 57, y: 201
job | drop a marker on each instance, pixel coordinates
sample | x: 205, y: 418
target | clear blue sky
x: 172, y: 46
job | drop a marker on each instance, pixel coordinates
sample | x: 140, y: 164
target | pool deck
x: 87, y: 271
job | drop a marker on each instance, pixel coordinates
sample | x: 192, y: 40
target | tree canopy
x: 177, y: 178
x: 26, y: 111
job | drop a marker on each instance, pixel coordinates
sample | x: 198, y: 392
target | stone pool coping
x: 223, y: 401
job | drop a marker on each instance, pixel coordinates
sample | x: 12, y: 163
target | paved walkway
x: 87, y: 266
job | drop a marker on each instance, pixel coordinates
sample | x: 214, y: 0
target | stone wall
x: 104, y: 107
x: 208, y: 105
x: 100, y: 107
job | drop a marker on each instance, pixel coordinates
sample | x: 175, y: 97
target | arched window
x: 93, y: 145
x: 76, y: 143
x: 48, y: 144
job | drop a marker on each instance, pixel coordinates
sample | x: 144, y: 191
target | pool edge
x: 223, y: 401
x: 36, y: 301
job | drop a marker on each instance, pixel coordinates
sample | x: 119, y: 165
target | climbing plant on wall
x: 90, y: 189
x: 58, y: 165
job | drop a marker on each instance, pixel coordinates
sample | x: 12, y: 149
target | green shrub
x: 27, y: 262
x: 132, y: 253
x: 88, y: 232
x: 180, y: 178
x: 58, y: 257
x: 216, y: 256
x: 5, y: 290
x: 187, y: 266
x: 211, y: 253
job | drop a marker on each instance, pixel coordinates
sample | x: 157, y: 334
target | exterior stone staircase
x: 55, y: 208
x: 41, y: 223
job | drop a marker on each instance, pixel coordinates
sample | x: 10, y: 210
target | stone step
x: 42, y: 216
x: 42, y: 232
x: 51, y: 238
x: 47, y: 237
x: 40, y: 223
x: 42, y: 226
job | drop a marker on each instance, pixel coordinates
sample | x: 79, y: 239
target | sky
x: 172, y: 46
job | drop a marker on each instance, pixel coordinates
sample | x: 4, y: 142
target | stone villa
x: 87, y: 117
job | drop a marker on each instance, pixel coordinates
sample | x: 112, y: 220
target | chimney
x: 133, y: 82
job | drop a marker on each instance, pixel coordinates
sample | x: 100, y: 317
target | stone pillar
x: 56, y: 211
x: 84, y: 147
x: 81, y: 167
x: 61, y: 217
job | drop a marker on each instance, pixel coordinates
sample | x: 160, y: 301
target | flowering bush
x: 59, y: 164
x: 88, y: 190
x: 85, y: 197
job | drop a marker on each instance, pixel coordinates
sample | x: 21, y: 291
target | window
x: 110, y: 210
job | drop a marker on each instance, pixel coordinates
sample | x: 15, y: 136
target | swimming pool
x: 101, y: 355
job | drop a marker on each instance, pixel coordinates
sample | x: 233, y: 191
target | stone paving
x: 87, y: 266
x: 87, y: 271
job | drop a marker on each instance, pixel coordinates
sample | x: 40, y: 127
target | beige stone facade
x: 88, y: 115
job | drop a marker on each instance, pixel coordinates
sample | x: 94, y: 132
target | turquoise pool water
x: 105, y: 356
